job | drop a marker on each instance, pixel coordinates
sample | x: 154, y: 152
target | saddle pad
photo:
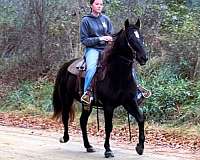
x: 76, y: 67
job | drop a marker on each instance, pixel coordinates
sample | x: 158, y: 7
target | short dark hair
x: 92, y: 1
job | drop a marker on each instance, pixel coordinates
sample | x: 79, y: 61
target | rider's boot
x: 143, y: 93
x: 87, y: 97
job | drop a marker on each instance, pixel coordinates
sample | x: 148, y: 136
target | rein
x: 128, y: 61
x: 133, y: 51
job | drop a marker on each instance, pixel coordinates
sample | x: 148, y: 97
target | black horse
x: 116, y: 88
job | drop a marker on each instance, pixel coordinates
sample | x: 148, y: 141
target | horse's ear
x: 138, y: 23
x: 126, y: 24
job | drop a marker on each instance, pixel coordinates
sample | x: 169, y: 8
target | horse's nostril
x: 146, y: 58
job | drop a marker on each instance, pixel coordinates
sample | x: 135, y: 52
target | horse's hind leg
x: 67, y: 103
x: 83, y: 122
x: 138, y: 114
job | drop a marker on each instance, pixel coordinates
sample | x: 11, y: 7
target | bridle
x: 133, y: 51
x: 128, y: 61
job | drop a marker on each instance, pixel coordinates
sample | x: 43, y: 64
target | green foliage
x: 181, y: 22
x: 11, y: 13
x: 114, y: 7
x: 180, y: 27
x: 30, y: 95
x: 117, y: 8
x: 57, y: 15
x: 7, y: 14
x: 190, y: 113
x: 173, y: 98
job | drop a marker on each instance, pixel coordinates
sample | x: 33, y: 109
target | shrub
x: 30, y: 95
x: 173, y: 97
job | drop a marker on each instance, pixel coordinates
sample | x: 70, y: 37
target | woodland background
x: 38, y: 36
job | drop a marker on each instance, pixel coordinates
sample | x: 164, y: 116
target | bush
x: 180, y: 27
x: 173, y: 98
x: 190, y: 112
x: 30, y: 95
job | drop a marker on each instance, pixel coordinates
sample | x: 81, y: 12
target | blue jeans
x: 134, y: 75
x: 139, y: 93
x: 91, y: 56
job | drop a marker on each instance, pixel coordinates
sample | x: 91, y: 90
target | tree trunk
x: 197, y: 68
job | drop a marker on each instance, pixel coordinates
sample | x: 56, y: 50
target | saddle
x: 78, y: 67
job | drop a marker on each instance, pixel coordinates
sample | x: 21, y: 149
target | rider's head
x: 96, y: 6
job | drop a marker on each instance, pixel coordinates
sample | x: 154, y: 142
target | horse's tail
x: 60, y: 84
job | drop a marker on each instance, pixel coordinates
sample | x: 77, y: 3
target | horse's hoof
x: 139, y: 148
x: 63, y: 140
x: 108, y: 154
x: 90, y: 149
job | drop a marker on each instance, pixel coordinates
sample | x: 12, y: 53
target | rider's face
x: 97, y: 6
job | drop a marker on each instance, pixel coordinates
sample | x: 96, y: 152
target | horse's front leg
x: 108, y: 114
x: 83, y: 122
x: 138, y: 114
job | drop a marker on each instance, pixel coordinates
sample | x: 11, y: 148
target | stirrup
x: 86, y: 98
x: 145, y: 92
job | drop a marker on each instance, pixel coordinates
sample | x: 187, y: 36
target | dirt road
x: 31, y: 144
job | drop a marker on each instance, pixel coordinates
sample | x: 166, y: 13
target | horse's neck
x: 118, y: 67
x: 113, y: 59
x: 121, y: 47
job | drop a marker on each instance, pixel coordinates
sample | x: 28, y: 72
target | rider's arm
x: 84, y: 35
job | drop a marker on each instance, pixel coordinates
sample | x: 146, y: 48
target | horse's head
x: 135, y: 41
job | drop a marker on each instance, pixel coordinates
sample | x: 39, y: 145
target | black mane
x: 111, y: 47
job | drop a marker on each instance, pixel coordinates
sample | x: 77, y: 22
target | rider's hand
x: 106, y: 38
